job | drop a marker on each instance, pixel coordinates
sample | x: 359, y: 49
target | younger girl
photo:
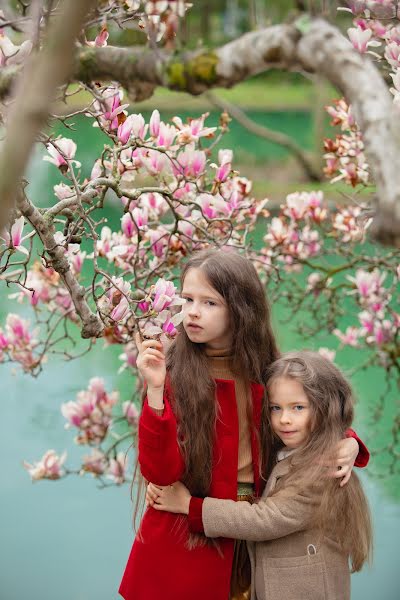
x: 201, y: 424
x: 305, y: 527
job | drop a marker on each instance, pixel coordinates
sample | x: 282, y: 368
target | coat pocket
x: 293, y: 578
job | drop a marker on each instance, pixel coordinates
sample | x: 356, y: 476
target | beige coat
x: 290, y: 560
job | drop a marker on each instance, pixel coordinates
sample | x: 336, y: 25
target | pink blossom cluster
x: 91, y: 413
x: 50, y: 466
x: 161, y: 18
x: 376, y: 25
x: 379, y: 323
x: 98, y: 463
x: 43, y: 286
x: 292, y: 236
x: 18, y: 343
x: 345, y: 157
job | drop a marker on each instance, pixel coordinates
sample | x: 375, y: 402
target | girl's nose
x: 193, y: 310
x: 285, y: 417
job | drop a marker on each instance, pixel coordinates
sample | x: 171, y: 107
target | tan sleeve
x: 268, y: 519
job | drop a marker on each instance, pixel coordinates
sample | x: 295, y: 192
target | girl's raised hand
x: 151, y: 362
x: 173, y: 498
x: 346, y: 454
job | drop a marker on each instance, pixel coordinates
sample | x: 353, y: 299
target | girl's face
x: 206, y: 316
x: 290, y: 411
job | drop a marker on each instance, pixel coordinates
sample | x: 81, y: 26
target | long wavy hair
x: 342, y: 512
x: 253, y: 349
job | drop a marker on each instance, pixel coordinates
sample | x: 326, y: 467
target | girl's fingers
x: 345, y: 479
x: 153, y: 352
x: 160, y: 507
x: 342, y: 472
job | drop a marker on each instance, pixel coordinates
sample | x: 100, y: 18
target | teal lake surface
x: 68, y: 540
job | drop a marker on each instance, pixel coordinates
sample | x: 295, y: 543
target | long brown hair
x: 342, y: 511
x: 254, y: 349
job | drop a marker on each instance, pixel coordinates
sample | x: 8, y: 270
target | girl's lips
x: 287, y: 432
x: 193, y: 326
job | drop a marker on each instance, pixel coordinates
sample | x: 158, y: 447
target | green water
x: 68, y: 540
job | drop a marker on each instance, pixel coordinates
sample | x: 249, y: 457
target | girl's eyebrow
x: 204, y: 296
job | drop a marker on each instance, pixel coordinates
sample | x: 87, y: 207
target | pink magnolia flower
x: 130, y: 413
x: 154, y: 203
x: 96, y: 462
x: 166, y: 135
x: 128, y: 225
x: 91, y: 412
x: 118, y: 468
x: 191, y: 163
x: 367, y: 321
x: 60, y: 148
x: 154, y: 124
x: 213, y: 206
x: 13, y: 239
x: 193, y: 130
x: 222, y: 172
x: 63, y: 191
x: 155, y: 162
x: 96, y: 170
x: 110, y: 107
x: 368, y: 284
x: 18, y: 331
x: 383, y: 333
x: 278, y: 232
x: 327, y: 353
x: 117, y: 296
x: 165, y: 296
x: 349, y: 337
x: 75, y: 257
x: 48, y: 467
x: 129, y: 356
x: 392, y: 54
x: 140, y: 217
x: 100, y: 39
x: 134, y: 126
x: 159, y: 240
x: 361, y: 39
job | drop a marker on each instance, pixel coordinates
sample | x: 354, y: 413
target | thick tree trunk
x: 43, y: 73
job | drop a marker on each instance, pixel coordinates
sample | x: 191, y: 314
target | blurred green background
x: 70, y: 541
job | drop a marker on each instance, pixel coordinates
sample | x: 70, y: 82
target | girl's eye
x: 274, y: 408
x: 299, y: 407
x: 187, y: 299
x: 211, y: 303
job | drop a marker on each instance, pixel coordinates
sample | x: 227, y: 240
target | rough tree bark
x: 319, y: 47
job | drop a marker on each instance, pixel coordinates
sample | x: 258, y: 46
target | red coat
x: 160, y: 566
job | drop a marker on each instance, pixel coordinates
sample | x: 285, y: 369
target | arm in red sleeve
x: 160, y: 457
x: 363, y: 453
x: 195, y: 518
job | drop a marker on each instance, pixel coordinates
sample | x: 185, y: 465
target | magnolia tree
x: 177, y: 191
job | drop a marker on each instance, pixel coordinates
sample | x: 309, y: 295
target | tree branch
x: 276, y: 137
x: 91, y: 324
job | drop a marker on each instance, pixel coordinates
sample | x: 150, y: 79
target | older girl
x: 201, y: 424
x: 305, y: 528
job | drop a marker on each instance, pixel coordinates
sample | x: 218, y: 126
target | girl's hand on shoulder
x: 151, y: 362
x: 346, y: 454
x: 173, y: 498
